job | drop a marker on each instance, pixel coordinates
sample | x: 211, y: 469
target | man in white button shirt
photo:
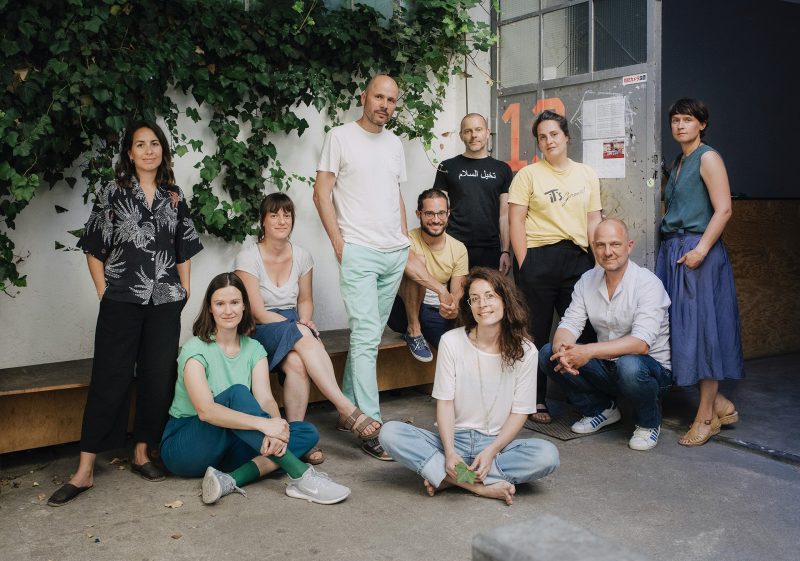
x: 628, y: 308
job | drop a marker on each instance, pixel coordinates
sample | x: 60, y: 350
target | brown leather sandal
x: 314, y: 461
x: 693, y: 436
x: 351, y: 424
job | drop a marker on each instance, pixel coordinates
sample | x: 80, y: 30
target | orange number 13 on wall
x: 512, y: 113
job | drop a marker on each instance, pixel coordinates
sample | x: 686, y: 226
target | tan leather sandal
x: 693, y: 436
x: 721, y: 405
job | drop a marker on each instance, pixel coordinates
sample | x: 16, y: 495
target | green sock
x: 246, y: 473
x: 291, y: 464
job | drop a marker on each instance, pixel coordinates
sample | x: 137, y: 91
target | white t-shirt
x: 369, y: 168
x: 282, y: 297
x: 459, y: 379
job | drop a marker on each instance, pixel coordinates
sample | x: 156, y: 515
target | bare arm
x: 261, y: 314
x: 97, y: 271
x: 592, y: 220
x: 712, y: 170
x: 446, y: 421
x: 184, y: 270
x: 516, y: 230
x: 323, y: 189
x: 194, y: 377
x: 403, y: 222
x: 505, y: 242
x: 418, y: 272
x: 262, y: 391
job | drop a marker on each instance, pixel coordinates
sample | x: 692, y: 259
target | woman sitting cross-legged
x: 223, y: 413
x: 485, y: 387
x: 277, y: 275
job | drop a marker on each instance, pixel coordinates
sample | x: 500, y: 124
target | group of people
x: 623, y: 333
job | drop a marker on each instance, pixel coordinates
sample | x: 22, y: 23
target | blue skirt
x: 280, y: 337
x: 704, y: 316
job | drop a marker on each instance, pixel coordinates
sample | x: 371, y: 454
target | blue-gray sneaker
x: 317, y: 487
x: 419, y: 347
x: 217, y: 484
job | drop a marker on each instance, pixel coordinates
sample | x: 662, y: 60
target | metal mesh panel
x: 565, y: 42
x: 620, y: 33
x: 513, y: 8
x: 519, y: 53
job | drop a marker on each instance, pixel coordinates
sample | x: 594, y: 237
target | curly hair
x: 513, y: 326
x: 204, y: 326
x: 125, y: 170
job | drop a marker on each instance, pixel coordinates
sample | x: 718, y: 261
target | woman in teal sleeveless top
x: 694, y: 267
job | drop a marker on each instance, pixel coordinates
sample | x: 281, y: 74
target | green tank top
x: 688, y: 206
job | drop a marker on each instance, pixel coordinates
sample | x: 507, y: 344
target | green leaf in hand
x: 464, y: 474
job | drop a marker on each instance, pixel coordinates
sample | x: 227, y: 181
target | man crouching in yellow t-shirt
x: 426, y: 305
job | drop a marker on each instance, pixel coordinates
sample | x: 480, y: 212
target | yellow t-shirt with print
x: 557, y: 202
x: 444, y: 264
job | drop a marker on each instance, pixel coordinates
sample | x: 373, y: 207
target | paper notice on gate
x: 606, y: 156
x: 603, y: 118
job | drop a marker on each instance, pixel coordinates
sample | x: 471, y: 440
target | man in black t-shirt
x: 477, y: 185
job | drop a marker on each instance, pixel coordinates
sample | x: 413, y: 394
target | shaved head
x: 379, y: 100
x: 381, y: 80
x: 471, y: 116
x: 614, y: 223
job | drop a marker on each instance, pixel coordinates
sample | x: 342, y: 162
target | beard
x: 427, y: 230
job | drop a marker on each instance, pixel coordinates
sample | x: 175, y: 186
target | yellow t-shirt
x: 557, y: 202
x: 444, y: 264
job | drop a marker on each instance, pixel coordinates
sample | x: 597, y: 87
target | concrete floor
x: 724, y: 501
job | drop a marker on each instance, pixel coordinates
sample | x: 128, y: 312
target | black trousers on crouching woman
x: 131, y: 338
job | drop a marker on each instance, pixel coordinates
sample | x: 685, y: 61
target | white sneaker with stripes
x: 644, y: 439
x: 588, y: 425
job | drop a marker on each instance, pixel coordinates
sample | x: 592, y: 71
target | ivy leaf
x: 464, y: 474
x: 181, y: 150
x: 77, y: 233
x: 61, y: 209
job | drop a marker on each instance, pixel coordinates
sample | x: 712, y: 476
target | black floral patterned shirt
x: 140, y: 245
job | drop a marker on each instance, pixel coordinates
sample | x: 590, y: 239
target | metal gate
x: 597, y: 62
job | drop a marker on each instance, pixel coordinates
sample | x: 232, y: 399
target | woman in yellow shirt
x: 554, y: 207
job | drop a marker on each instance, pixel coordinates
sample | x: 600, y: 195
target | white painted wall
x: 53, y: 319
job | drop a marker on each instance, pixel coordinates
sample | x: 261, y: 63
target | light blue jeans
x: 368, y: 280
x: 420, y: 450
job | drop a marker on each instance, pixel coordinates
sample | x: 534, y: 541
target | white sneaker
x: 217, y: 484
x: 317, y: 487
x: 644, y: 439
x: 588, y: 425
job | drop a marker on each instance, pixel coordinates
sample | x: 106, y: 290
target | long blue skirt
x: 704, y: 316
x: 280, y: 337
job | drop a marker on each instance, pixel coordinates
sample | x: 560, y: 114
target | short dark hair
x: 274, y: 202
x: 549, y: 115
x: 432, y: 193
x: 693, y: 107
x: 513, y: 326
x: 204, y: 326
x: 125, y: 169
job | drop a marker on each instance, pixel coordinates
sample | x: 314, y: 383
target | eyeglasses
x: 441, y: 215
x: 488, y: 299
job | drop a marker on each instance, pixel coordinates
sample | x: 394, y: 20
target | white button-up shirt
x: 639, y: 307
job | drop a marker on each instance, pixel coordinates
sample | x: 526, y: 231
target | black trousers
x: 546, y: 278
x: 484, y: 256
x: 131, y: 338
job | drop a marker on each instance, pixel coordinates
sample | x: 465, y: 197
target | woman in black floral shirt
x: 138, y: 242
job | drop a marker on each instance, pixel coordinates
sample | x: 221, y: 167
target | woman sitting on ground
x: 223, y: 413
x: 277, y: 275
x: 485, y: 387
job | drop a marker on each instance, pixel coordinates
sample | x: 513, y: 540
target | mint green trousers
x: 368, y: 280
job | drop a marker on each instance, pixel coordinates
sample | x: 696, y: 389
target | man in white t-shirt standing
x: 357, y: 195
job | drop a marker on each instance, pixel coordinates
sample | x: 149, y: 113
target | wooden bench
x: 42, y: 405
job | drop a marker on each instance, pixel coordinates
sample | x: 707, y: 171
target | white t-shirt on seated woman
x: 484, y: 397
x: 282, y: 297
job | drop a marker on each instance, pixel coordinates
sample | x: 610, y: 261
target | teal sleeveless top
x: 688, y: 206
